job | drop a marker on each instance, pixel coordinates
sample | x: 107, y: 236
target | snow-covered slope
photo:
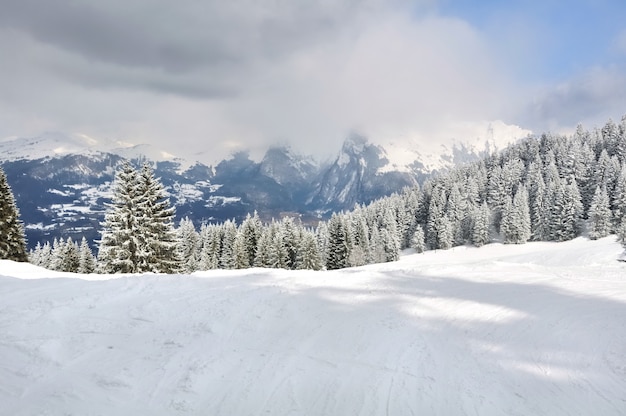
x: 57, y: 144
x: 501, y: 330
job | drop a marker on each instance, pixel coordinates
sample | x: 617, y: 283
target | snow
x: 530, y: 329
x: 59, y: 144
x: 214, y: 201
x: 436, y: 153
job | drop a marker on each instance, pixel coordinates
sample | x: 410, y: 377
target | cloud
x: 209, y: 76
x: 589, y: 98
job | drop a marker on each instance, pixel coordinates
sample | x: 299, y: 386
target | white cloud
x: 589, y: 98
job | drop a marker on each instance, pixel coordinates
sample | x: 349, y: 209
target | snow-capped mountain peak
x: 285, y: 166
x: 56, y: 144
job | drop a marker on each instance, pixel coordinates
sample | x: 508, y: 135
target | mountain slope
x: 516, y: 329
x: 62, y: 182
x: 358, y: 175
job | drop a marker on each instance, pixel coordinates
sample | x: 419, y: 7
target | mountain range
x: 62, y: 182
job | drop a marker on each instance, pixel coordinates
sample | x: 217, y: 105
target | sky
x: 214, y: 77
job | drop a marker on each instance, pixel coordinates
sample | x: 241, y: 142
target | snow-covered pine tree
x: 321, y: 235
x: 240, y: 252
x: 227, y: 255
x: 571, y: 210
x: 436, y: 214
x: 70, y: 257
x: 210, y: 247
x: 120, y: 241
x: 496, y: 194
x: 455, y: 210
x: 87, y: 263
x: 289, y: 235
x: 155, y: 224
x: 599, y: 215
x: 337, y: 255
x: 411, y: 208
x: 188, y: 245
x: 308, y: 253
x: 138, y: 233
x: 278, y: 255
x: 360, y: 238
x: 515, y: 225
x: 12, y: 237
x: 45, y: 256
x: 264, y: 245
x: 251, y: 229
x: 480, y: 225
x: 619, y: 197
x: 621, y: 233
x: 34, y: 255
x: 390, y: 236
x: 445, y: 234
x: 377, y: 249
x: 391, y: 246
x: 417, y: 242
x: 56, y: 254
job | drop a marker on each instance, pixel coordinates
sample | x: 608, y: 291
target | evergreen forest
x: 542, y: 188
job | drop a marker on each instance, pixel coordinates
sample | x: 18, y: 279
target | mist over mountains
x: 62, y: 183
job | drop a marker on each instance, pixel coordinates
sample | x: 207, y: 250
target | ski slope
x: 502, y: 330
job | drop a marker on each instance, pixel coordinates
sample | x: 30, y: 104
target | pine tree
x: 436, y: 215
x: 619, y: 197
x: 480, y: 226
x: 455, y: 211
x: 567, y: 212
x: 337, y: 255
x: 390, y: 236
x: 119, y: 245
x: 56, y: 255
x: 12, y: 237
x: 45, y: 257
x: 360, y: 240
x: 289, y: 236
x: 308, y: 254
x: 34, y: 255
x: 158, y: 250
x: 138, y: 233
x: 445, y: 234
x: 227, y: 255
x: 210, y: 247
x: 87, y: 263
x: 251, y: 229
x: 70, y: 257
x: 278, y: 255
x: 188, y: 245
x: 496, y: 194
x: 599, y: 215
x: 417, y: 242
x: 263, y: 252
x: 515, y: 225
x: 621, y: 233
x: 240, y: 252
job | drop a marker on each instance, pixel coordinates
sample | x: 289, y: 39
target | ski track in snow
x: 533, y: 329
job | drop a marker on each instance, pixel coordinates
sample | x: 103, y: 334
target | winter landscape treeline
x: 546, y: 188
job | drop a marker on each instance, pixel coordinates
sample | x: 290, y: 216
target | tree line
x: 543, y: 188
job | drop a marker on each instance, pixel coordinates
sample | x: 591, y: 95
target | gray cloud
x: 177, y: 36
x: 189, y: 47
x: 588, y: 98
x: 212, y: 75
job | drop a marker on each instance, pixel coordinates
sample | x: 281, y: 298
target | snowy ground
x: 503, y: 330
